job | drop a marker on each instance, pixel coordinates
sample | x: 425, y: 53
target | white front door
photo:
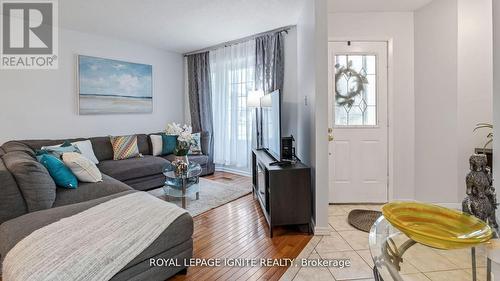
x: 358, y: 158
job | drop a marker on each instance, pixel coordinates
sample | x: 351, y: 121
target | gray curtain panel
x: 270, y: 63
x: 200, y: 98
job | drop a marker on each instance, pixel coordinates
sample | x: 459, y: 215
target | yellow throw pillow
x: 124, y: 147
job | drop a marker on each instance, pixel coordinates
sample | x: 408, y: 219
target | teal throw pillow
x: 61, y: 174
x: 169, y: 143
x: 66, y: 143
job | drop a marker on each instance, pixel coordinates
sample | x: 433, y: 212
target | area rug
x: 212, y: 195
x: 363, y: 219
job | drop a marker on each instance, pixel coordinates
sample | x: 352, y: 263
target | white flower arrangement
x: 184, y: 137
x: 175, y: 129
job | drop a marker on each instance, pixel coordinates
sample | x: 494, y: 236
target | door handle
x: 330, y: 137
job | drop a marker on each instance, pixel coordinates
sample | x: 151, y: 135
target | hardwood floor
x: 239, y: 230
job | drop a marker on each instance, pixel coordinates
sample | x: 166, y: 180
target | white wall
x: 305, y: 84
x: 453, y: 91
x: 436, y: 102
x: 397, y: 28
x: 43, y: 103
x: 312, y: 145
x: 496, y: 98
x: 475, y: 79
x: 496, y: 108
x: 289, y: 101
x: 321, y: 115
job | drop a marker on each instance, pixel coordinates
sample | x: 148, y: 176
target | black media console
x: 284, y: 192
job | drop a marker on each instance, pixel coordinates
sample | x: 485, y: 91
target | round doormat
x: 363, y: 219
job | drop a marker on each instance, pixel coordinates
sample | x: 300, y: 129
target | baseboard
x: 322, y: 231
x: 233, y: 171
x: 319, y: 231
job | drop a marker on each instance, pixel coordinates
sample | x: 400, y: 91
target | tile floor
x: 420, y: 263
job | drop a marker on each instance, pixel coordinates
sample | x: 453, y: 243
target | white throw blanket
x: 92, y: 245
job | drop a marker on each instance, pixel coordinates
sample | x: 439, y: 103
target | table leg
x: 376, y: 275
x: 488, y: 270
x: 197, y: 195
x: 473, y: 254
x: 184, y: 193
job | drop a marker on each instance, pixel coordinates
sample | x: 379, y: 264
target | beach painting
x: 107, y: 86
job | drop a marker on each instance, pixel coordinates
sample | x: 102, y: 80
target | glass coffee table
x: 182, y: 185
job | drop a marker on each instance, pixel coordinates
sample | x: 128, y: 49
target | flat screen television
x: 271, y: 124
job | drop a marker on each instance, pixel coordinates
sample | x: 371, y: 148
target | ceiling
x: 337, y: 6
x: 178, y: 25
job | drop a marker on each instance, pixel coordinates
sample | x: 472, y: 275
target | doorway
x: 358, y: 122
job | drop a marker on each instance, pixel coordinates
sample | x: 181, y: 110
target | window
x: 233, y: 74
x: 355, y: 90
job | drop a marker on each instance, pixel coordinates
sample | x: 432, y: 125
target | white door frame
x: 390, y: 105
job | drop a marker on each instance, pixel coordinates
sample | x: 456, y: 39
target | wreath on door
x: 358, y: 85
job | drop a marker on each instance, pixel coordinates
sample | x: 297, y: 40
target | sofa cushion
x: 89, y: 191
x: 11, y: 200
x: 38, y: 144
x: 147, y: 183
x: 13, y: 231
x: 133, y: 168
x: 12, y: 146
x: 200, y: 159
x: 143, y: 144
x: 102, y: 148
x: 34, y: 182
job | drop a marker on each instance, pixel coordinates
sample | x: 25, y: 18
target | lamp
x: 253, y: 100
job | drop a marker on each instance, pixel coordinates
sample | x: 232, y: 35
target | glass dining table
x: 388, y: 246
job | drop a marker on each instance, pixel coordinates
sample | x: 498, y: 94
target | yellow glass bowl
x: 436, y: 226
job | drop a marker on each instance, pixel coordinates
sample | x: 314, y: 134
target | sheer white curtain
x: 233, y: 74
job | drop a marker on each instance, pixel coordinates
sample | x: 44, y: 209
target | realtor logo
x: 29, y: 34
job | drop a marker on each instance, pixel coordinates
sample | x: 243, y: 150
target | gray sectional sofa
x: 29, y: 199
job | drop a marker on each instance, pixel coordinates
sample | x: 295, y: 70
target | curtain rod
x: 237, y: 41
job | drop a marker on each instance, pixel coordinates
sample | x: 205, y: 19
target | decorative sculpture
x: 481, y: 199
x: 181, y: 167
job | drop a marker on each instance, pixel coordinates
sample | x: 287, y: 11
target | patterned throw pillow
x: 196, y: 146
x: 83, y: 147
x: 124, y: 147
x: 58, y: 150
